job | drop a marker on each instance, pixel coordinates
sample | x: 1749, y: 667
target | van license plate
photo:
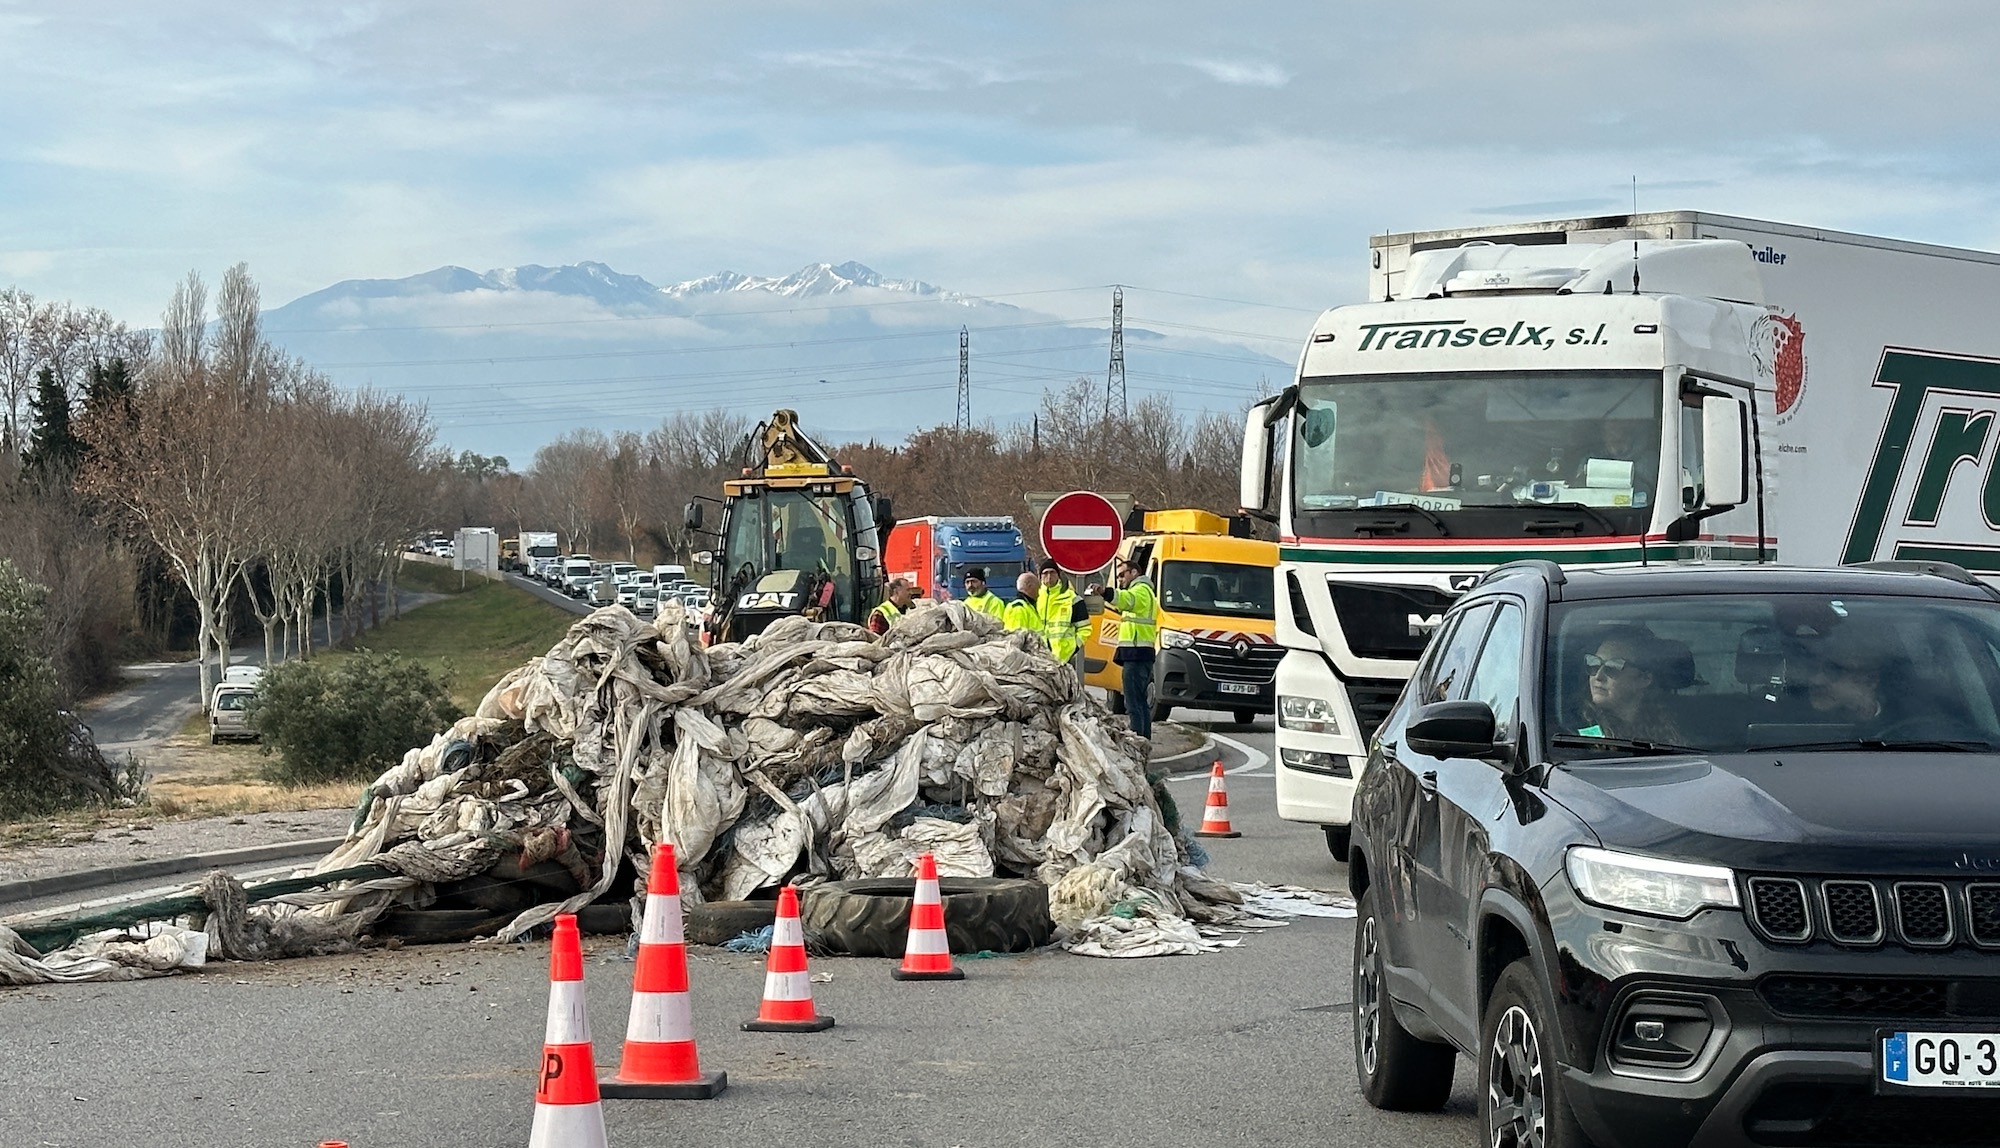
x: 1941, y: 1059
x: 1236, y: 687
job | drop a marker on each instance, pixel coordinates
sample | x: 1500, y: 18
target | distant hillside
x: 510, y: 358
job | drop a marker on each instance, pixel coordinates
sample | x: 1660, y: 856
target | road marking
x: 1253, y: 761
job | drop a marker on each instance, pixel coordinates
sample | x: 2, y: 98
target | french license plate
x: 1941, y: 1059
x: 1236, y: 687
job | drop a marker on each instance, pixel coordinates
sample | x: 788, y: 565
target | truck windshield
x: 1727, y: 673
x: 1501, y: 438
x: 1233, y: 588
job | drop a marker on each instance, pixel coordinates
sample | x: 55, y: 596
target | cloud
x: 1244, y: 73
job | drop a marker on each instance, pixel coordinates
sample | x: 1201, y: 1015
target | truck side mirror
x: 1724, y: 452
x: 1253, y: 479
x: 692, y: 518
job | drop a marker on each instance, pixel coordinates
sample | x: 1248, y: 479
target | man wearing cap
x: 980, y: 598
x: 1138, y: 617
x: 1020, y: 613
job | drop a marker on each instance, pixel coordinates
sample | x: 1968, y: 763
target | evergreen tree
x: 108, y: 386
x: 53, y: 448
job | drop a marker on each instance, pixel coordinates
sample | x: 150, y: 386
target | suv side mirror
x: 692, y: 518
x: 1455, y: 729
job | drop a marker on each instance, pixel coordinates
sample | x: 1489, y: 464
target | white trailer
x: 1612, y: 391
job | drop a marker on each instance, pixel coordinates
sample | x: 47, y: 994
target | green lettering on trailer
x: 1913, y: 376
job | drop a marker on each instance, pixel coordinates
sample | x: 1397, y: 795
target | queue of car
x: 604, y: 583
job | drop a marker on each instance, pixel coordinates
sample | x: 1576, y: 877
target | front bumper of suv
x: 1779, y: 1041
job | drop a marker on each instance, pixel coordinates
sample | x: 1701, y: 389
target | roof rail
x: 1547, y: 570
x: 1935, y: 569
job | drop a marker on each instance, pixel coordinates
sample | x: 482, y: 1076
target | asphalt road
x: 438, y: 1046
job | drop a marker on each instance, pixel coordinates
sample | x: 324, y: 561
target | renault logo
x: 1242, y: 649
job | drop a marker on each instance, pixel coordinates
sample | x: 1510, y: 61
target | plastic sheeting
x: 808, y: 752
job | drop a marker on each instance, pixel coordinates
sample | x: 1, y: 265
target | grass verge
x: 478, y: 635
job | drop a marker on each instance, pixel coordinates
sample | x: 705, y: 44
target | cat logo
x: 766, y: 601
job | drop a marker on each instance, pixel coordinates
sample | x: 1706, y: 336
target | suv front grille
x: 1778, y: 906
x: 1984, y: 901
x: 1867, y: 911
x: 1853, y: 913
x: 1923, y: 913
x: 1910, y: 998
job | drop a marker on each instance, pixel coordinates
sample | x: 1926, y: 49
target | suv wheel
x: 1395, y: 1069
x: 1521, y: 1104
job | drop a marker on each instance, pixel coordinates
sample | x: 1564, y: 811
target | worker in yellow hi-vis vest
x: 1020, y: 613
x: 1056, y: 603
x: 1138, y: 621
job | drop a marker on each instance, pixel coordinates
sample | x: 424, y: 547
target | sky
x: 1227, y: 161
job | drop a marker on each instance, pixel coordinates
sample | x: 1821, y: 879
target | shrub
x: 347, y: 719
x: 47, y: 758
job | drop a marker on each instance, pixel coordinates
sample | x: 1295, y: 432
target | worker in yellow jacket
x: 980, y: 598
x: 1055, y: 603
x: 1020, y: 613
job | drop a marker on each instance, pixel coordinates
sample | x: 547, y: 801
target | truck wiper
x: 1427, y: 515
x: 1591, y: 512
x: 1919, y: 745
x: 1630, y: 745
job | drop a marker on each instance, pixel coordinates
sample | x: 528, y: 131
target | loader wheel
x: 871, y: 918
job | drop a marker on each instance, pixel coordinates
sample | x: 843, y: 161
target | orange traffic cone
x: 1215, y: 818
x: 788, y: 994
x: 927, y: 955
x: 567, y: 1112
x: 660, y: 1061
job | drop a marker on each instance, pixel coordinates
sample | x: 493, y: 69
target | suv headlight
x: 1654, y: 886
x: 1307, y: 715
x: 1176, y: 639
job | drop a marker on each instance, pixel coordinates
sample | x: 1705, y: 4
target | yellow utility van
x: 1217, y: 646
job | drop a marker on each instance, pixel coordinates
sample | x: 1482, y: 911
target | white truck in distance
x: 1666, y: 387
x: 538, y: 549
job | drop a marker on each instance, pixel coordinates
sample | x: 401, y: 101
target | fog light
x: 1314, y: 761
x: 1664, y: 1030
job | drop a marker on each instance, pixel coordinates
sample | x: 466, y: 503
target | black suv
x: 1691, y: 855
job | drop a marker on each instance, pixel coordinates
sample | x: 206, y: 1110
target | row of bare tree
x: 231, y: 458
x: 622, y: 494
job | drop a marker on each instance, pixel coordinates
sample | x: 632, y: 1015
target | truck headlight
x: 1307, y: 715
x: 1654, y: 886
x: 1176, y: 639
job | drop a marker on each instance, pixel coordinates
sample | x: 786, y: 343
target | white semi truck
x: 1669, y: 387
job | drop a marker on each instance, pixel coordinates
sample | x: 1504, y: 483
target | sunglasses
x: 1609, y: 666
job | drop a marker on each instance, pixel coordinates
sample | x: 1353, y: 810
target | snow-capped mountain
x: 509, y: 359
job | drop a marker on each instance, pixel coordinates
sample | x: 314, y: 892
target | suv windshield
x: 1444, y: 442
x: 1742, y: 673
x: 1231, y: 588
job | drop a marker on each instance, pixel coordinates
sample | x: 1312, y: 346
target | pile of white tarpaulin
x: 812, y: 751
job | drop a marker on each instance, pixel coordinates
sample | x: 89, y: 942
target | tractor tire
x: 438, y: 926
x: 715, y: 922
x: 871, y: 918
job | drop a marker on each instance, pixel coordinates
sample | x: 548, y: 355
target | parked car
x: 244, y: 674
x: 1690, y: 855
x: 228, y: 713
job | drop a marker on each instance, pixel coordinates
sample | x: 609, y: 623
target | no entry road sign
x: 1081, y: 532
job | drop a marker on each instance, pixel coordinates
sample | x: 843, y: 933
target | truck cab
x: 934, y: 553
x: 1216, y: 646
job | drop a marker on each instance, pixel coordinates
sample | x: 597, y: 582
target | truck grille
x: 1376, y: 620
x: 1259, y: 663
x: 1372, y: 699
x: 1863, y: 912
